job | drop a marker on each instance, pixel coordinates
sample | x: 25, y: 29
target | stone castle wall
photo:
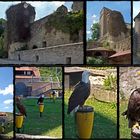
x: 121, y: 45
x: 44, y: 45
x: 39, y: 34
x: 77, y: 5
x: 51, y: 55
x: 136, y: 46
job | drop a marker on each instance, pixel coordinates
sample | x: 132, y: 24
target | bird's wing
x: 79, y: 95
x: 133, y: 112
x: 21, y: 109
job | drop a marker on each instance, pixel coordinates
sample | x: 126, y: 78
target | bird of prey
x: 41, y: 99
x: 53, y: 93
x: 80, y: 93
x: 133, y: 110
x: 20, y: 107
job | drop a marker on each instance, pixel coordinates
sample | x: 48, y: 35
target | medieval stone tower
x: 19, y: 18
x: 112, y: 25
x: 137, y: 35
x: 103, y: 21
x: 77, y: 6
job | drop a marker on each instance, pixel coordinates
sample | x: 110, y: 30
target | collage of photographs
x: 69, y: 70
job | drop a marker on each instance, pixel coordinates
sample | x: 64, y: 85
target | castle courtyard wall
x: 51, y: 55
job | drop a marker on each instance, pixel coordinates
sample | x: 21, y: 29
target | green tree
x: 95, y: 31
x: 2, y: 23
x: 54, y: 72
x: 110, y: 82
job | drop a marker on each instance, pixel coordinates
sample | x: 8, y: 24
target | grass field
x: 105, y: 119
x: 125, y: 132
x: 50, y: 124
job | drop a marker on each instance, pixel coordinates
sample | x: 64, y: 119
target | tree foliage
x: 110, y: 82
x: 94, y: 60
x: 71, y: 23
x: 2, y: 24
x: 54, y: 72
x: 3, y: 53
x: 95, y: 31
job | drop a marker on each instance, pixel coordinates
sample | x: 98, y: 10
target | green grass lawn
x: 125, y: 132
x: 105, y: 119
x: 50, y: 124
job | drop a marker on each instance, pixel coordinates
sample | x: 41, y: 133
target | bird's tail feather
x: 72, y: 113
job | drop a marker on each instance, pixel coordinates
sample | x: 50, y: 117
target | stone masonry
x: 114, y: 30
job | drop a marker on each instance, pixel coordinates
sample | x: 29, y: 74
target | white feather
x: 74, y: 110
x: 85, y: 76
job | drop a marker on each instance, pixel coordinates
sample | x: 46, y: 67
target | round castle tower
x: 19, y: 18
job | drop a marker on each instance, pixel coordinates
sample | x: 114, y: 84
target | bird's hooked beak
x: 136, y: 125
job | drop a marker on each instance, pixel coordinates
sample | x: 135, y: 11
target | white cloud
x: 58, y: 3
x: 88, y: 32
x: 7, y: 90
x: 136, y: 8
x: 94, y: 16
x: 40, y: 4
x: 6, y: 107
x: 8, y: 102
x: 95, y: 21
x: 42, y: 8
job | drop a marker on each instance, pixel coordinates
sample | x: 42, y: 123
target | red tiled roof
x: 34, y: 69
x: 121, y: 53
x: 3, y: 114
x: 26, y: 77
x: 99, y: 49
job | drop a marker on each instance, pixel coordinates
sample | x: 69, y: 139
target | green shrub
x: 110, y: 82
x: 3, y: 53
x: 93, y: 60
x: 71, y: 23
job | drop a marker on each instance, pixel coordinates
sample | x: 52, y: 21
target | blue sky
x: 136, y: 8
x: 6, y: 89
x: 94, y: 8
x: 42, y: 8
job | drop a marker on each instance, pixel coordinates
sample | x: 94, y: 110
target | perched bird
x: 80, y: 93
x: 20, y: 107
x: 53, y: 93
x: 41, y: 99
x: 133, y: 109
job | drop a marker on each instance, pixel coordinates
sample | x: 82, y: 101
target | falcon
x: 20, y: 107
x: 81, y: 93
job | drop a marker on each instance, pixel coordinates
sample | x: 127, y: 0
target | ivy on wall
x: 70, y: 23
